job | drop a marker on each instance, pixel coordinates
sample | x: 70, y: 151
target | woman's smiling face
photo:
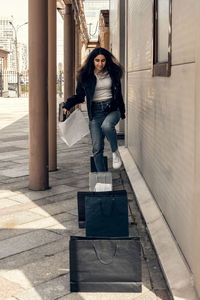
x: 99, y: 63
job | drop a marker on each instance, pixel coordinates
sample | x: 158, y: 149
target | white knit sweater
x: 103, y: 90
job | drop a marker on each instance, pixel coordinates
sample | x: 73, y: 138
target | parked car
x: 12, y: 88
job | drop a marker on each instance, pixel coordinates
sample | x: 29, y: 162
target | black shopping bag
x: 81, y: 202
x: 92, y: 164
x: 106, y: 215
x: 61, y: 115
x: 105, y: 265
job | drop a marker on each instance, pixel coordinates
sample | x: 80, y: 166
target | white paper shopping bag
x: 100, y: 181
x: 74, y: 128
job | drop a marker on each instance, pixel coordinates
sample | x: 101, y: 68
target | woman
x: 99, y: 80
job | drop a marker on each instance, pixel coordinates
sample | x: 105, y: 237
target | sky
x: 19, y: 10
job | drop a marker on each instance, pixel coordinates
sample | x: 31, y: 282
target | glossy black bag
x: 105, y: 265
x: 81, y: 202
x: 107, y: 215
x: 61, y: 115
x: 92, y: 164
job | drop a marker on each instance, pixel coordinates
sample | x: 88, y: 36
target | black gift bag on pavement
x: 92, y: 164
x: 61, y: 115
x: 81, y: 202
x: 105, y: 265
x: 106, y: 215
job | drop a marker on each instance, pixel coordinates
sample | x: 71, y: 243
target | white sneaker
x: 116, y: 160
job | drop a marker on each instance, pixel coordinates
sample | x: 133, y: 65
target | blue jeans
x: 102, y: 126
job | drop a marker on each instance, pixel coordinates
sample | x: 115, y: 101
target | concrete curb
x: 177, y: 274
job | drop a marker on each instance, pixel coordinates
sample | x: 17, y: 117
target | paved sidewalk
x: 35, y: 226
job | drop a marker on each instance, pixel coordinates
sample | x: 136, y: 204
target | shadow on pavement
x: 36, y: 226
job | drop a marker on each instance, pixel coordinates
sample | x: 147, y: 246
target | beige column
x: 68, y: 52
x: 5, y: 83
x: 52, y: 84
x: 77, y: 49
x: 106, y: 38
x: 38, y: 94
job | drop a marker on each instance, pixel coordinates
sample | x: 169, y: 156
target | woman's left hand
x: 66, y: 112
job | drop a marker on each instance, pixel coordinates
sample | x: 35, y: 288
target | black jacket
x: 88, y: 88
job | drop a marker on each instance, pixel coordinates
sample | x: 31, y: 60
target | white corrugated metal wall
x: 163, y: 117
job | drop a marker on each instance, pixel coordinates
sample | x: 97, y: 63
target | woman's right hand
x: 66, y: 112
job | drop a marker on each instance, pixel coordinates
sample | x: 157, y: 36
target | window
x: 162, y: 38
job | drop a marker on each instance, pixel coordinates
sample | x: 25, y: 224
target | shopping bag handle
x: 101, y: 260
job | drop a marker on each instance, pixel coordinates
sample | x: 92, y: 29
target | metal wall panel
x: 162, y: 118
x: 183, y: 33
x: 114, y: 21
x: 116, y: 15
x: 140, y: 34
x: 161, y: 140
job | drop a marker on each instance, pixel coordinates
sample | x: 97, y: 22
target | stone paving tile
x: 69, y: 224
x: 5, y: 202
x: 19, y: 260
x: 57, y: 198
x: 17, y: 207
x: 21, y: 217
x: 54, y: 208
x: 40, y: 271
x: 50, y: 192
x: 15, y: 172
x: 9, y: 149
x: 21, y: 143
x: 7, y: 164
x: 50, y: 290
x: 26, y: 242
x: 19, y: 160
x: 81, y: 184
x: 71, y: 181
x: 3, y: 178
x: 14, y: 138
x: 6, y: 193
x: 14, y: 183
x: 74, y: 211
x: 147, y: 295
x: 26, y: 202
x: 8, y: 233
x: 57, y: 221
x: 10, y: 155
x: 8, y: 288
x: 21, y: 198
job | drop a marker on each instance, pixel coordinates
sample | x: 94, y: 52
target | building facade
x: 162, y: 63
x: 91, y: 10
x: 23, y: 57
x: 8, y: 42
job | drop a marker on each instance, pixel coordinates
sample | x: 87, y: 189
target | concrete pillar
x: 5, y: 83
x: 38, y: 94
x: 106, y: 38
x: 126, y: 72
x: 73, y: 50
x: 77, y: 49
x: 68, y: 52
x: 52, y: 84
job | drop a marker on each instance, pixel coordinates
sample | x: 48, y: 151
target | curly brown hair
x: 112, y: 66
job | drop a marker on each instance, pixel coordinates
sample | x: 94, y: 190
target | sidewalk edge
x: 178, y: 275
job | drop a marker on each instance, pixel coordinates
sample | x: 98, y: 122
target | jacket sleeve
x: 79, y: 97
x: 121, y: 102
